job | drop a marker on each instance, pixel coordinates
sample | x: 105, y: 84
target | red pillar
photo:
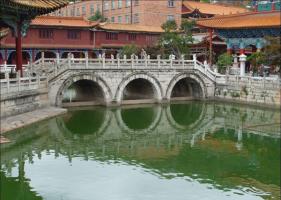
x: 211, y: 47
x: 18, y: 49
x: 229, y: 51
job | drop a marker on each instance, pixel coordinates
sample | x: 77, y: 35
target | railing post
x: 118, y: 61
x: 125, y: 58
x: 8, y: 81
x: 43, y: 58
x: 87, y: 59
x: 112, y: 59
x: 5, y: 66
x: 57, y: 58
x: 103, y: 61
x: 132, y: 61
x: 194, y: 60
x: 158, y: 60
x: 69, y: 60
x: 18, y: 79
x: 182, y: 60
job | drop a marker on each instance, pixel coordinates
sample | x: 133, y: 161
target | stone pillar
x: 58, y: 57
x: 242, y: 60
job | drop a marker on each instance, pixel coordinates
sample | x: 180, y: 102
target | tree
x: 256, y: 59
x: 272, y: 51
x: 224, y: 61
x: 97, y: 17
x: 177, y: 41
x: 128, y: 50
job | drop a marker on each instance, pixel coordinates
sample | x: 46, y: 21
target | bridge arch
x: 186, y: 85
x: 94, y: 81
x: 149, y: 83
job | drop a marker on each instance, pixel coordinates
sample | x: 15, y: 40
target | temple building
x: 244, y: 33
x: 62, y: 35
x: 17, y: 14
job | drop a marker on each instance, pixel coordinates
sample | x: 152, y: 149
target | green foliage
x: 176, y: 41
x: 224, y: 61
x: 97, y: 17
x: 154, y: 51
x: 272, y: 51
x: 205, y: 1
x: 256, y: 59
x: 128, y: 50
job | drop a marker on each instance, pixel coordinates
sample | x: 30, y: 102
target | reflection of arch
x: 84, y: 76
x: 106, y: 122
x: 178, y: 126
x: 13, y: 55
x: 149, y: 129
x: 47, y: 54
x: 181, y: 76
x: 139, y: 75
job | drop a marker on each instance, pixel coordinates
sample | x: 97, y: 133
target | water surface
x: 181, y: 151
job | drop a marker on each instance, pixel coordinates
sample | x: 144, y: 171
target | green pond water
x: 192, y: 150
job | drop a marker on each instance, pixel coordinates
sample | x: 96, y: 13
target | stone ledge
x: 25, y: 119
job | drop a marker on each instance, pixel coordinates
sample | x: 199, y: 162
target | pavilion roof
x: 42, y: 5
x: 130, y: 27
x: 213, y: 9
x: 244, y: 20
x: 52, y: 21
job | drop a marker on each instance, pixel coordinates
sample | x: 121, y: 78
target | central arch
x: 141, y: 87
x: 186, y: 86
x: 87, y: 89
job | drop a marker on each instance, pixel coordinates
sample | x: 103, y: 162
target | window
x: 132, y: 36
x: 46, y: 33
x: 106, y: 5
x: 128, y: 3
x: 137, y: 2
x: 120, y: 19
x: 171, y: 3
x: 119, y: 3
x: 112, y: 19
x: 73, y: 34
x: 83, y: 10
x: 112, y: 4
x: 127, y: 18
x: 98, y: 7
x: 151, y: 39
x: 92, y: 9
x: 77, y: 12
x: 111, y: 36
x: 72, y: 11
x: 170, y: 18
x: 66, y: 12
x: 136, y: 18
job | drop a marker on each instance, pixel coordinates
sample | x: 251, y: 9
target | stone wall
x: 265, y: 91
x: 25, y: 101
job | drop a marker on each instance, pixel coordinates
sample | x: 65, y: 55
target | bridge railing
x: 20, y: 84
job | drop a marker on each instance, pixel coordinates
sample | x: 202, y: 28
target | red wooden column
x: 211, y: 47
x: 18, y: 49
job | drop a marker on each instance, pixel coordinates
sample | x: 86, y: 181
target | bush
x: 224, y: 61
x: 128, y: 50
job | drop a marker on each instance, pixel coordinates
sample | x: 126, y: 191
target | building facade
x: 63, y: 35
x: 148, y: 13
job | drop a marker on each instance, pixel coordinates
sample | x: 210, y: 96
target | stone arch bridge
x: 126, y: 81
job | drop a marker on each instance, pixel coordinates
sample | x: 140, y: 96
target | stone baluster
x: 103, y: 60
x: 57, y: 58
x: 87, y: 59
x: 242, y: 60
x: 5, y: 66
x: 182, y: 60
x: 112, y: 58
x: 159, y: 60
x: 18, y: 80
x: 194, y: 60
x: 68, y: 61
x: 125, y: 58
x: 43, y: 57
x: 132, y: 60
x: 148, y: 59
x: 7, y: 77
x: 118, y: 61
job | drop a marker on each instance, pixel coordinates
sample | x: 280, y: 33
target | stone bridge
x: 126, y: 81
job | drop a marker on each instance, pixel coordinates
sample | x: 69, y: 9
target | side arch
x: 83, y: 76
x: 181, y: 76
x: 139, y: 75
